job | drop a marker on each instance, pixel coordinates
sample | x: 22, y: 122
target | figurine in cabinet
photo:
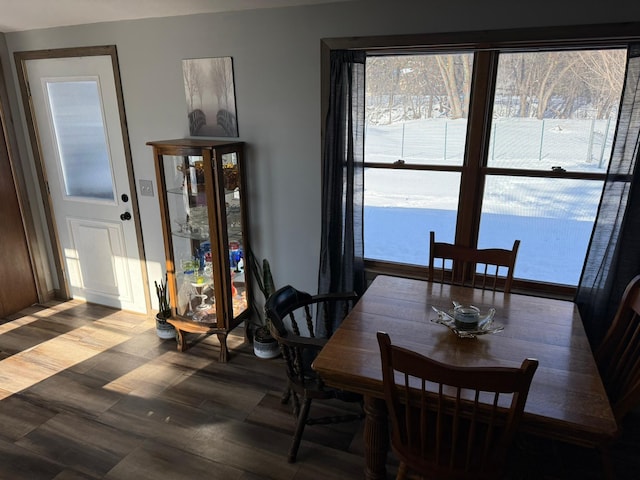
x: 201, y: 190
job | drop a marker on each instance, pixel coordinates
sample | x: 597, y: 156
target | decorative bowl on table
x: 466, y: 317
x: 467, y: 321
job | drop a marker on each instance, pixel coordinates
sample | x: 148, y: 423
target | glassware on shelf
x: 181, y: 226
x: 185, y: 297
x: 235, y: 255
x: 205, y: 310
x: 203, y: 302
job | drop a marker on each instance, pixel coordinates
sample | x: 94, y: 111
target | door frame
x: 8, y: 150
x: 21, y: 59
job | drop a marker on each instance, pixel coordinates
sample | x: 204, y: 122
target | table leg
x: 376, y: 438
x: 224, y: 351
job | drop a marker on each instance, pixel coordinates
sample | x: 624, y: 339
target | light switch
x: 146, y: 188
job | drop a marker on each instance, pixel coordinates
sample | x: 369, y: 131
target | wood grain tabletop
x: 567, y: 399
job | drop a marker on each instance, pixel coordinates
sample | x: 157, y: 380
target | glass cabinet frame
x: 202, y: 195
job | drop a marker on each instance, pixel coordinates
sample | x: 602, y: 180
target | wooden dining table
x: 567, y: 400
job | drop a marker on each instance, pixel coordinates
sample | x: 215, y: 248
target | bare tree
x: 193, y: 79
x: 538, y: 85
x: 219, y: 75
x: 455, y: 71
x: 553, y: 72
x: 532, y: 78
x: 383, y: 74
x: 606, y: 69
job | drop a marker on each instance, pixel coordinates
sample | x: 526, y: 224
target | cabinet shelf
x: 191, y: 236
x: 213, y: 238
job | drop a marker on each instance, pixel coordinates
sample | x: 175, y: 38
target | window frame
x: 486, y: 46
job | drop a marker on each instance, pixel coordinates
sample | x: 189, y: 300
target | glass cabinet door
x: 190, y: 237
x: 234, y: 222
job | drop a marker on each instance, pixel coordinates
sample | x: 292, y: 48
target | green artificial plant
x: 264, y: 279
x: 164, y: 308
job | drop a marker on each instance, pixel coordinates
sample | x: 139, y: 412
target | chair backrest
x: 448, y: 421
x: 293, y: 316
x: 618, y: 356
x: 488, y: 268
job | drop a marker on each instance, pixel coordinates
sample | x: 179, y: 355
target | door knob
x: 125, y: 216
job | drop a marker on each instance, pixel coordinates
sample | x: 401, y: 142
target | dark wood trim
x: 62, y: 292
x: 609, y: 34
x: 214, y: 193
x: 508, y: 172
x: 485, y: 66
x: 109, y: 50
x: 161, y: 184
x: 33, y: 244
x: 518, y: 172
x: 325, y: 67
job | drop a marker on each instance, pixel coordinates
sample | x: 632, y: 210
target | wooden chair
x: 488, y: 268
x: 440, y: 429
x: 299, y: 345
x: 618, y: 356
x: 618, y: 360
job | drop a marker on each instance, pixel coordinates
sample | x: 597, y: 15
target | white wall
x: 276, y: 57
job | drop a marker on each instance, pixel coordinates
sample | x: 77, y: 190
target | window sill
x: 374, y: 268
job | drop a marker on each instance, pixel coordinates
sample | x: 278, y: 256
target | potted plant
x: 264, y: 345
x: 164, y: 329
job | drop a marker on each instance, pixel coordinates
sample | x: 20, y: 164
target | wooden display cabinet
x: 201, y: 189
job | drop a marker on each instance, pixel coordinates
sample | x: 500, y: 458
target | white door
x: 76, y: 111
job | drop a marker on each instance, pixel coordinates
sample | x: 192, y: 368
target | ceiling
x: 19, y: 15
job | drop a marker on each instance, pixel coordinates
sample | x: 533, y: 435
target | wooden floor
x: 88, y: 392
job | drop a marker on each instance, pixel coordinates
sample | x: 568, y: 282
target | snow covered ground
x: 553, y: 218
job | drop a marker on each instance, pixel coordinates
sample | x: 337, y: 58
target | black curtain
x: 342, y: 243
x: 613, y: 257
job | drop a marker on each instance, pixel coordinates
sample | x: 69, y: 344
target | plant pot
x: 164, y: 329
x: 264, y: 345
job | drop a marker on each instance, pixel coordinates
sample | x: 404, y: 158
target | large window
x: 487, y: 147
